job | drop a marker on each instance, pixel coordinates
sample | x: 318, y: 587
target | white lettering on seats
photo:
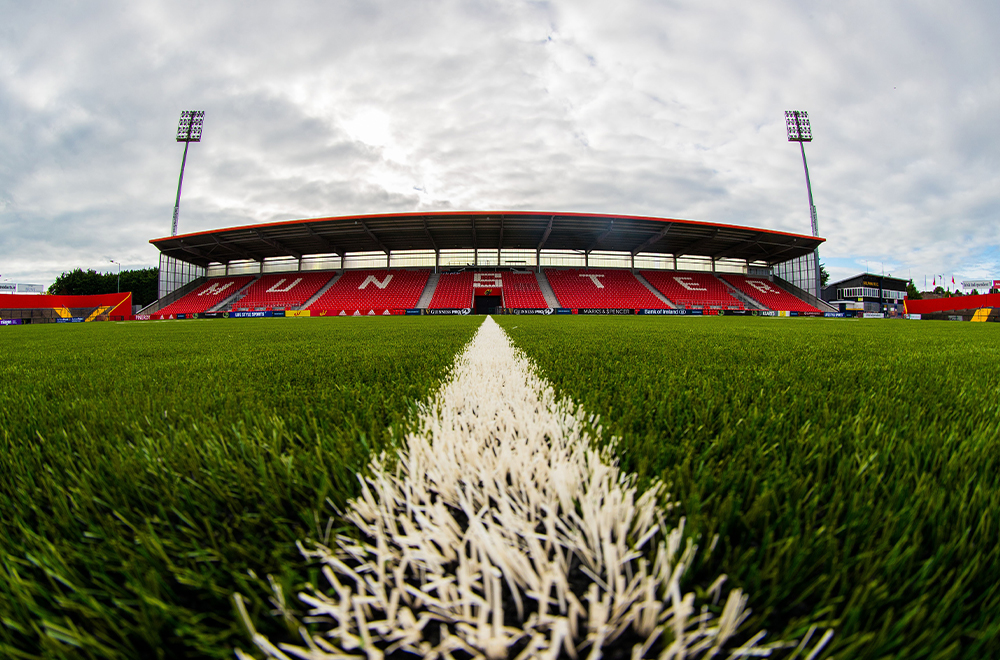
x: 275, y: 289
x: 593, y: 278
x: 761, y: 286
x: 487, y: 281
x: 214, y: 289
x: 371, y: 279
x: 690, y: 284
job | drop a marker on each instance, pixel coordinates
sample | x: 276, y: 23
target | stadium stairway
x: 428, y: 293
x: 653, y: 290
x: 173, y: 296
x: 747, y: 301
x: 550, y: 295
x: 233, y: 298
x: 322, y: 290
x: 97, y: 312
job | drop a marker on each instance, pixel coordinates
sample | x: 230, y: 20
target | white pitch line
x: 499, y: 495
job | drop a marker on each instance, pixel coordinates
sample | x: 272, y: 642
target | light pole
x: 188, y: 131
x: 797, y: 124
x: 119, y: 274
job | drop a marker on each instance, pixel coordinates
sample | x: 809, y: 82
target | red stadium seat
x: 692, y: 290
x: 283, y: 290
x: 768, y: 294
x: 521, y: 291
x: 601, y: 289
x: 367, y: 290
x: 206, y: 296
x: 453, y: 291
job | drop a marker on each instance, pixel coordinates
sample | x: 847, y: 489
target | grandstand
x: 202, y: 299
x: 601, y: 289
x: 481, y: 261
x: 693, y: 290
x: 768, y: 295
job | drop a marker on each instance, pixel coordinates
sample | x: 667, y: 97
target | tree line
x: 141, y: 282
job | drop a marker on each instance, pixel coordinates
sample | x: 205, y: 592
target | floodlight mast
x: 188, y: 131
x: 799, y: 130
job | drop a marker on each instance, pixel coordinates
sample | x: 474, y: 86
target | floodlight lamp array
x: 189, y: 128
x: 797, y: 123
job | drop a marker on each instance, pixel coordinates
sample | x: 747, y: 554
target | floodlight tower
x: 797, y: 123
x: 188, y: 131
x: 119, y: 273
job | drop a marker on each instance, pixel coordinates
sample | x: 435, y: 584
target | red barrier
x: 120, y: 304
x: 951, y: 304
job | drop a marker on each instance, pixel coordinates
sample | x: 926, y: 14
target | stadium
x: 486, y: 262
x: 632, y: 461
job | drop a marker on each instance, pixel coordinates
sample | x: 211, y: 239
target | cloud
x: 670, y: 109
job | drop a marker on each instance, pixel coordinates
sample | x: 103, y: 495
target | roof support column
x: 675, y: 261
x: 586, y: 259
x: 633, y: 261
x: 227, y: 268
x: 475, y: 256
x: 713, y: 263
x: 437, y: 260
x: 538, y: 260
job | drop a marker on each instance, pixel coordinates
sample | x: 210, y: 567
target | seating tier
x: 768, y: 294
x: 521, y: 291
x: 283, y: 290
x: 208, y: 295
x: 366, y: 290
x: 601, y: 289
x: 692, y: 290
x: 453, y: 291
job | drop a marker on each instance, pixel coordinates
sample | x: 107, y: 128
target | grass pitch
x: 850, y: 469
x: 149, y: 470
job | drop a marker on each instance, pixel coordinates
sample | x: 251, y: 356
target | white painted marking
x: 761, y: 286
x: 487, y: 281
x: 276, y: 287
x: 593, y: 278
x: 371, y: 279
x: 689, y: 284
x: 499, y: 493
x: 214, y: 289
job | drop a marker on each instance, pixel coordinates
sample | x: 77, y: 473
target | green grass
x: 149, y: 470
x: 850, y: 468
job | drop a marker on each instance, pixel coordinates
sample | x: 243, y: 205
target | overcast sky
x: 670, y: 109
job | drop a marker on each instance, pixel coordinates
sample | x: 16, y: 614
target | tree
x: 142, y: 283
x: 824, y: 275
x: 940, y: 290
x: 911, y: 291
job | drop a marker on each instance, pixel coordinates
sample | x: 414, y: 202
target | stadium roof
x: 533, y: 230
